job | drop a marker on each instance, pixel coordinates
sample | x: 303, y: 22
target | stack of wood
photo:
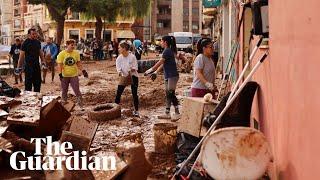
x: 27, y: 116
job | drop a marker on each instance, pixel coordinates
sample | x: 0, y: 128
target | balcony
x: 210, y: 11
x: 164, y: 2
x: 164, y: 16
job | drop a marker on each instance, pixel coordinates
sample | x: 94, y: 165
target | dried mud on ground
x: 100, y: 88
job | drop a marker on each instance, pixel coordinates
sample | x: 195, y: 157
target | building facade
x: 6, y: 21
x: 176, y: 16
x: 18, y: 25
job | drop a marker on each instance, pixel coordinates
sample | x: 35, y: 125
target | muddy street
x: 100, y: 88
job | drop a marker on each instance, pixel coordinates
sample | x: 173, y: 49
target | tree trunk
x: 60, y: 30
x: 99, y: 25
x: 59, y: 18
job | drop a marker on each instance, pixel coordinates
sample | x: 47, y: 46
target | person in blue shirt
x: 14, y: 53
x: 50, y: 53
x: 137, y: 44
x: 171, y: 75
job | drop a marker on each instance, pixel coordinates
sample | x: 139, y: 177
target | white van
x: 184, y: 41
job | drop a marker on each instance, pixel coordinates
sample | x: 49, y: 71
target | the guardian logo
x: 57, y: 154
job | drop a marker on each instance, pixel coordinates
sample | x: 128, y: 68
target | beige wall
x: 177, y: 16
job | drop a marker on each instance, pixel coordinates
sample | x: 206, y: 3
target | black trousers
x: 32, y: 78
x: 134, y: 91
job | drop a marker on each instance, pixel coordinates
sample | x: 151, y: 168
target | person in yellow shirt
x: 69, y: 68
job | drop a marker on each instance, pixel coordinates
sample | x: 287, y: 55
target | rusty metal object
x: 235, y: 153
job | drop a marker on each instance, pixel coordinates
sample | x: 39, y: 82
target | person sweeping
x: 171, y: 75
x: 69, y: 68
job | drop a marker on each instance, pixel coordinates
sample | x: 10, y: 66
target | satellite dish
x: 235, y: 153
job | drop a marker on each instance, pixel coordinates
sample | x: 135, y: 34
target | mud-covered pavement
x: 100, y: 88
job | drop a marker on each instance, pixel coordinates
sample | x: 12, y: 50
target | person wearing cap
x: 204, y: 69
x: 14, y: 53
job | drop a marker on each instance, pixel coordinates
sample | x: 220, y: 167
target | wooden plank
x: 69, y: 105
x: 6, y: 102
x: 28, y: 112
x: 84, y: 128
x: 3, y: 127
x: 47, y: 99
x: 3, y: 113
x: 79, y: 143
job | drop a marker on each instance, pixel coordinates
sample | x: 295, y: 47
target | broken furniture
x: 194, y: 109
x: 28, y: 112
x: 80, y: 134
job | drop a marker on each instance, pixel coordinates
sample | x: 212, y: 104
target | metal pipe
x: 244, y: 69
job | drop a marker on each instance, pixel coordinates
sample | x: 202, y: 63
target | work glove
x: 85, y: 73
x: 60, y: 76
x: 153, y: 76
x: 209, y: 85
x: 149, y: 71
x: 17, y: 71
x: 44, y: 65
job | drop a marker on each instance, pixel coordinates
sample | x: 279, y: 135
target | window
x: 74, y: 16
x: 16, y: 12
x: 74, y: 34
x: 17, y: 23
x: 163, y: 24
x: 195, y: 26
x: 16, y: 2
x: 89, y: 34
x: 185, y: 25
x: 185, y: 12
x: 195, y: 10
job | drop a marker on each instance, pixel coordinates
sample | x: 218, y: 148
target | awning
x: 125, y: 34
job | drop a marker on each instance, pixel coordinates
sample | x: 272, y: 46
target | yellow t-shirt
x: 69, y: 63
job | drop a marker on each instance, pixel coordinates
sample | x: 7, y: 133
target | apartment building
x: 176, y: 16
x: 19, y: 9
x: 6, y: 15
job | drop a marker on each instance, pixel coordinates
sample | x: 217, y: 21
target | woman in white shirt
x: 127, y: 68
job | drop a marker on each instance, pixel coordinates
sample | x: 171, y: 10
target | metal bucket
x: 165, y: 135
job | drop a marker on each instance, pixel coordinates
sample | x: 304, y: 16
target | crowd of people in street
x: 33, y: 58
